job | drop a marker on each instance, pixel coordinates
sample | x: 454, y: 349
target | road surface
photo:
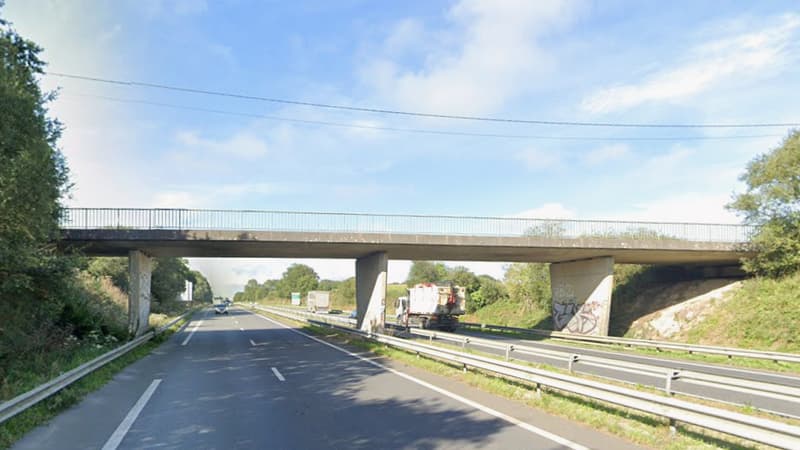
x: 244, y: 381
x: 788, y: 406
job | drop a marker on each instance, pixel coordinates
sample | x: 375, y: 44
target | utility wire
x: 417, y: 114
x: 418, y: 130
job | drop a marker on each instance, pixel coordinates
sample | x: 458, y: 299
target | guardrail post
x: 671, y: 375
x: 572, y: 360
x: 464, y: 343
x: 509, y: 349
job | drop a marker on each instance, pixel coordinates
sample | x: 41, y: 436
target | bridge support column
x: 582, y: 295
x: 371, y: 291
x: 140, y: 269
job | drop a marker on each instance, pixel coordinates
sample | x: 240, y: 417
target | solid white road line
x: 119, y: 434
x: 191, y: 333
x: 252, y: 343
x: 278, y: 374
x: 493, y: 412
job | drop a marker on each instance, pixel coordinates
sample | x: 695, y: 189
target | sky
x: 710, y: 62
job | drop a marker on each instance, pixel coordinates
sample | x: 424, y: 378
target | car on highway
x: 221, y: 308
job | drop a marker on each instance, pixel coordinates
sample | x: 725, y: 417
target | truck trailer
x: 432, y: 306
x: 318, y: 301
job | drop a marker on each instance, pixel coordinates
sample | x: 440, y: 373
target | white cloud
x: 537, y: 160
x: 176, y: 199
x: 497, y: 56
x: 547, y: 211
x: 157, y: 8
x: 223, y: 53
x: 406, y: 35
x: 667, y: 161
x: 242, y: 144
x: 250, y: 188
x: 606, y: 153
x: 737, y: 55
x: 684, y: 207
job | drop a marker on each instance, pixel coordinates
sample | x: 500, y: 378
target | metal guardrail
x: 736, y: 424
x: 658, y: 345
x: 669, y: 375
x: 26, y: 400
x: 574, y: 358
x: 288, y: 221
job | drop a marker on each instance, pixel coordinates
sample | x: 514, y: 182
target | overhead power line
x: 418, y: 114
x: 420, y: 130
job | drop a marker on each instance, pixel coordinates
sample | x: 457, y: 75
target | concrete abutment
x: 582, y: 295
x: 371, y: 271
x: 140, y: 269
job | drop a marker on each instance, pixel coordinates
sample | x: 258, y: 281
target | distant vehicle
x: 221, y: 308
x: 319, y: 301
x: 432, y: 305
x: 228, y: 301
x: 353, y: 314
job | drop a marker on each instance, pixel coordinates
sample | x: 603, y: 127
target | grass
x: 509, y: 313
x: 640, y: 428
x: 16, y: 427
x: 764, y: 314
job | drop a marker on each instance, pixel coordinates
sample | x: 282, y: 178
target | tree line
x: 527, y: 283
x: 54, y: 305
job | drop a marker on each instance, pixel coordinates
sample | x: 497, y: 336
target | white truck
x: 318, y: 301
x: 432, y: 305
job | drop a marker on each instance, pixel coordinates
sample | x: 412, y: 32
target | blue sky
x: 610, y: 61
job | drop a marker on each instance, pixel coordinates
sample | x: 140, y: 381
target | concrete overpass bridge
x: 582, y: 253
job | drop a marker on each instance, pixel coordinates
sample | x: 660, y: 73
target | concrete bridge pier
x: 371, y: 291
x: 582, y: 295
x: 140, y: 269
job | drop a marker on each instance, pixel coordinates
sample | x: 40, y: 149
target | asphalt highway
x: 773, y: 403
x: 245, y: 381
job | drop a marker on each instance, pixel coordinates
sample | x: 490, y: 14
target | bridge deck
x: 282, y: 244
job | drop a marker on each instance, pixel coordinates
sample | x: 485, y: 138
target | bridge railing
x: 288, y: 221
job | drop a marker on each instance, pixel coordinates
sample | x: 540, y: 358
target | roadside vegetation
x: 16, y: 427
x: 58, y: 310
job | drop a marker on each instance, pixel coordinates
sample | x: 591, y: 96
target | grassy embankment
x: 640, y: 428
x: 97, y: 324
x: 763, y: 315
x: 16, y: 427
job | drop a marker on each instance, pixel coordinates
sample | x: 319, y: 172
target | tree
x: 328, y: 285
x: 425, y: 272
x: 33, y: 174
x: 168, y: 280
x: 298, y: 278
x: 772, y: 204
x: 490, y: 291
x: 461, y: 276
x: 529, y: 284
x: 115, y: 269
x: 251, y: 291
x: 201, y: 292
